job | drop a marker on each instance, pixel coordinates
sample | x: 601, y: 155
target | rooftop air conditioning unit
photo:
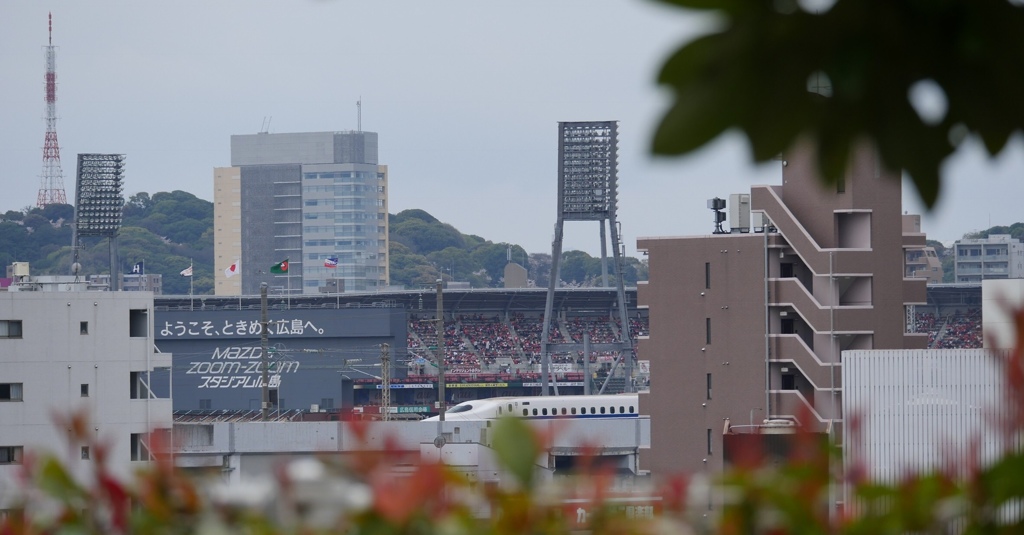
x: 739, y: 212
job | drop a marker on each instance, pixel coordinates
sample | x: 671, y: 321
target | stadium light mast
x: 99, y: 204
x: 588, y: 191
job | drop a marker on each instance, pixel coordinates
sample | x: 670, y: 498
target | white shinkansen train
x: 545, y: 407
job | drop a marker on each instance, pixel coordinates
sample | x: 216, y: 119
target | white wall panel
x: 917, y: 410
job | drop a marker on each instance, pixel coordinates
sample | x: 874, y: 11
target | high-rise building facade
x: 318, y: 200
x: 751, y: 326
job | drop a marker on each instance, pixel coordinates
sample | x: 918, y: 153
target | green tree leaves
x: 780, y: 74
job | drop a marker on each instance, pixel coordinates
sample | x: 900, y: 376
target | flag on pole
x: 280, y: 267
x: 187, y: 272
x: 139, y: 268
x: 232, y: 270
x: 331, y: 262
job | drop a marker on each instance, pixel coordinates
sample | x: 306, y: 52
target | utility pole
x: 385, y: 382
x: 440, y: 350
x: 263, y: 353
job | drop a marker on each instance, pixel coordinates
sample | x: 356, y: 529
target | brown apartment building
x: 750, y: 326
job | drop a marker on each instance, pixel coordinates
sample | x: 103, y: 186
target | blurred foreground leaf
x: 844, y: 75
x: 516, y: 446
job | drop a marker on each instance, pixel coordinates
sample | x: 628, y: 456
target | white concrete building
x: 997, y: 257
x: 64, y: 352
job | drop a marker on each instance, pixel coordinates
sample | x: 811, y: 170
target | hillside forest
x: 169, y: 231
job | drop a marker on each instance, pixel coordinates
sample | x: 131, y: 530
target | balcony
x: 915, y: 290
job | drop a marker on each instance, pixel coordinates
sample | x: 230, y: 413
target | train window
x: 563, y: 411
x: 573, y: 410
x: 499, y: 410
x: 535, y: 412
x: 510, y: 408
x: 612, y: 409
x: 593, y: 410
x: 460, y: 408
x: 630, y: 408
x: 544, y: 411
x: 623, y: 409
x: 602, y: 410
x: 526, y: 412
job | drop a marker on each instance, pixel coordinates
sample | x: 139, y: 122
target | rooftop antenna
x: 265, y: 127
x: 359, y: 114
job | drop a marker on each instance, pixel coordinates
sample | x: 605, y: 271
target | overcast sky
x: 466, y: 97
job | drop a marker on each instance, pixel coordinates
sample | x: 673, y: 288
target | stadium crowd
x: 958, y: 329
x: 480, y: 343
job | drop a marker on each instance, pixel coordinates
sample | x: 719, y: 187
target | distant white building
x: 997, y: 257
x: 64, y: 350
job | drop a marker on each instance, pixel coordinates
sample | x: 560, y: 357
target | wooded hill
x: 168, y: 231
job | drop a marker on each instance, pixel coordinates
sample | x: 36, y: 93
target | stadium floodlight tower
x: 587, y: 191
x: 99, y: 204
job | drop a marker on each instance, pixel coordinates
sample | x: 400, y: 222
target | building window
x: 10, y: 392
x: 139, y: 448
x: 85, y: 390
x: 138, y: 323
x: 10, y: 328
x: 83, y: 327
x: 707, y: 327
x: 10, y: 454
x: 709, y: 442
x: 138, y: 387
x: 85, y: 453
x: 709, y: 387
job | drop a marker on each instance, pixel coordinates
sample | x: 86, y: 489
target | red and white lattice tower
x: 51, y: 190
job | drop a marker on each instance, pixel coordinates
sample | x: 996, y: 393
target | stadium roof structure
x: 955, y: 294
x: 473, y: 299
